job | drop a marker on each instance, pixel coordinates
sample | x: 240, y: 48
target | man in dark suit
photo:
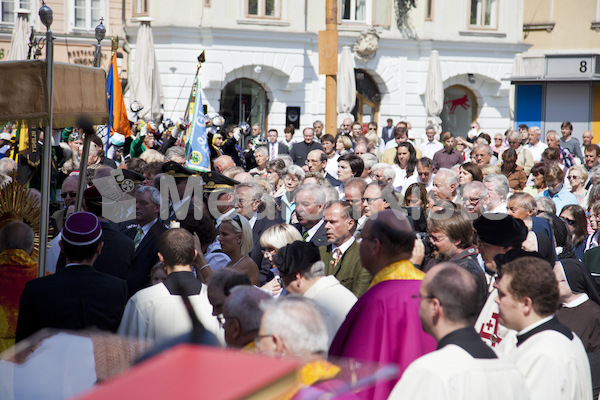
x: 342, y: 256
x: 144, y: 235
x: 117, y: 252
x: 249, y: 204
x: 183, y: 178
x: 387, y: 132
x: 317, y: 162
x: 310, y: 201
x: 300, y: 151
x: 78, y: 297
x: 275, y: 148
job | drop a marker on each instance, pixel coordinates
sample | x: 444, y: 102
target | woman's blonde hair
x: 279, y: 235
x: 241, y: 225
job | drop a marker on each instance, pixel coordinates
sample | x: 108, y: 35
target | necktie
x: 337, y: 255
x: 305, y: 236
x: 271, y: 156
x: 138, y: 237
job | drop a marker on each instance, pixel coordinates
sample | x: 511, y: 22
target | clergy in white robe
x: 550, y: 356
x: 463, y: 366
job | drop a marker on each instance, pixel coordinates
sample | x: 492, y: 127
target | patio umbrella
x: 434, y: 92
x: 517, y: 70
x: 19, y: 43
x: 346, y: 85
x: 145, y: 76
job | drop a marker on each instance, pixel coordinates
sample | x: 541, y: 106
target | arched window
x: 368, y: 98
x: 244, y: 100
x: 460, y: 109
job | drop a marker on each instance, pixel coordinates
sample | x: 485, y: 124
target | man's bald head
x: 16, y: 235
x: 223, y: 162
x: 394, y: 236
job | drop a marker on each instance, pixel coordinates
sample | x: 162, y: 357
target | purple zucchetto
x: 81, y: 228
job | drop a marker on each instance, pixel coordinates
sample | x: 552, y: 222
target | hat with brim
x: 296, y: 257
x: 176, y: 170
x: 500, y: 230
x: 81, y: 229
x: 217, y: 182
x: 133, y: 176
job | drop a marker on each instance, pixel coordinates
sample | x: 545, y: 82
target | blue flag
x: 198, y: 154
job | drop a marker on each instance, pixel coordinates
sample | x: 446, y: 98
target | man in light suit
x: 275, y: 148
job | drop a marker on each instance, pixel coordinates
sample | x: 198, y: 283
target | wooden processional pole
x: 328, y: 65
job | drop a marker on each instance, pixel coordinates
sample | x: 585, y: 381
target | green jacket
x: 349, y: 271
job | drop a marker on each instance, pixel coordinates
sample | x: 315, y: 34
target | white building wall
x: 287, y: 52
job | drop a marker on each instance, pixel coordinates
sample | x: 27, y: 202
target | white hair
x: 500, y: 183
x: 176, y: 151
x: 369, y: 159
x: 319, y: 196
x: 298, y: 322
x: 7, y: 166
x: 262, y: 150
x: 388, y: 171
x: 294, y: 170
x: 314, y: 270
x: 448, y: 176
x: 154, y: 193
x: 243, y: 303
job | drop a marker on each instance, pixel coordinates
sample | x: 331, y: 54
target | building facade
x: 560, y: 78
x: 262, y: 58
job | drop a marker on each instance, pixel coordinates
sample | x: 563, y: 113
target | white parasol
x: 346, y: 85
x: 517, y: 70
x: 145, y: 76
x: 434, y: 92
x: 19, y: 43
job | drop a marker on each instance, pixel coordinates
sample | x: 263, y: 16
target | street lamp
x: 46, y: 16
x: 100, y: 33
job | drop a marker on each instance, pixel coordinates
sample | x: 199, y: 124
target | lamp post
x: 46, y: 16
x: 100, y: 32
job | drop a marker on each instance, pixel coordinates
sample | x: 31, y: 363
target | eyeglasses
x: 258, y: 338
x: 70, y: 194
x: 573, y: 177
x: 370, y: 200
x: 437, y: 239
x: 473, y: 200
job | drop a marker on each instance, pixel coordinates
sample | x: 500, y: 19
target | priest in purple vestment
x: 384, y: 325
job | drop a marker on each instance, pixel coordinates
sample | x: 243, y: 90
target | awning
x: 78, y: 91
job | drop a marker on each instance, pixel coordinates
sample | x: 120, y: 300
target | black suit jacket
x: 264, y: 266
x: 334, y: 182
x: 319, y: 238
x: 300, y: 151
x: 144, y: 258
x: 117, y: 252
x: 281, y: 149
x: 78, y: 297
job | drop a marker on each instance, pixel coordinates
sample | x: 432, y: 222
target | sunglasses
x: 65, y: 194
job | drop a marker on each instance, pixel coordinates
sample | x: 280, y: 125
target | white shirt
x: 222, y: 217
x: 428, y: 149
x: 344, y: 246
x: 537, y: 150
x: 154, y: 314
x: 146, y: 228
x: 273, y: 150
x: 335, y: 301
x: 332, y: 166
x: 554, y: 366
x: 453, y: 374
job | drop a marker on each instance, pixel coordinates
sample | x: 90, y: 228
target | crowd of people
x: 473, y: 266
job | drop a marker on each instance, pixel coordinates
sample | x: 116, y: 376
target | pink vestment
x: 384, y: 326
